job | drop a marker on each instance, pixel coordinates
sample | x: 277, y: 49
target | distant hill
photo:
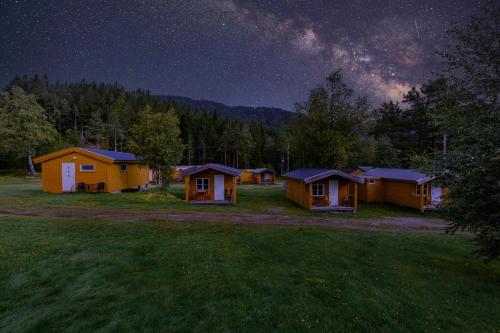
x: 268, y: 116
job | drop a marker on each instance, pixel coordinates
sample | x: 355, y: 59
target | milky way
x: 259, y: 53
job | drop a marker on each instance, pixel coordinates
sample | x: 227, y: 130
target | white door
x: 219, y: 187
x: 68, y: 177
x: 333, y: 192
x: 436, y: 194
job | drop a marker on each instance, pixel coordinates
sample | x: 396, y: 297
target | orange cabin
x: 92, y: 170
x: 322, y: 189
x: 257, y: 176
x: 403, y: 187
x: 210, y: 183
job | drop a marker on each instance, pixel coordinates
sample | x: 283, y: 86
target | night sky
x: 256, y: 53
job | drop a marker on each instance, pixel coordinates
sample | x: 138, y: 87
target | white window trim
x: 93, y: 168
x: 126, y: 167
x: 202, y: 184
x: 322, y: 190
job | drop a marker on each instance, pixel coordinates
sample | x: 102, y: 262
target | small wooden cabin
x: 92, y: 170
x: 322, y: 189
x: 210, y: 183
x: 257, y: 176
x: 402, y: 187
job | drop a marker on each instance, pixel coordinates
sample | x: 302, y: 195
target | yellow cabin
x: 92, y: 170
x: 322, y: 189
x: 210, y: 183
x: 257, y: 176
x: 403, y: 187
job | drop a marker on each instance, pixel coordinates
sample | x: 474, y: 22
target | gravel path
x: 401, y: 224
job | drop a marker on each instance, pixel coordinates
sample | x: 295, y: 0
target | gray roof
x: 261, y: 170
x: 114, y: 155
x: 364, y: 168
x: 211, y: 166
x: 310, y: 175
x: 406, y: 175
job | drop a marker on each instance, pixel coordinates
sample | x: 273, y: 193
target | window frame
x: 205, y: 184
x: 318, y: 187
x: 121, y: 167
x: 426, y: 190
x: 86, y: 165
x: 371, y: 181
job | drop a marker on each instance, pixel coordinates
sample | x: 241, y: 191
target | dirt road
x: 400, y: 224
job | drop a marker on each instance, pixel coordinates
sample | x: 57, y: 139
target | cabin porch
x: 322, y: 203
x: 207, y: 197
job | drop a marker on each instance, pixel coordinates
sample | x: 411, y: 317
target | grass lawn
x: 83, y: 275
x: 255, y: 199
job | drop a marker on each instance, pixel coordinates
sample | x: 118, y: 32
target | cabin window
x: 123, y: 167
x: 425, y: 190
x: 318, y: 190
x: 371, y: 181
x: 201, y: 184
x: 87, y: 168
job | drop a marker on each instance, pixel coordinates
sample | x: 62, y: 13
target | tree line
x: 103, y: 116
x: 332, y: 129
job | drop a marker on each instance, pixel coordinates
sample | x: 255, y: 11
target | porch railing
x: 324, y: 201
x: 207, y: 196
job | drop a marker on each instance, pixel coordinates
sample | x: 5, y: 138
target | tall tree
x: 328, y: 128
x: 471, y: 165
x: 24, y: 127
x: 156, y: 140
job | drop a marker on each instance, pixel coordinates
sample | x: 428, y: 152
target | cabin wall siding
x: 401, y: 193
x: 392, y: 191
x: 110, y: 174
x: 247, y: 177
x: 137, y: 175
x: 372, y: 192
x: 297, y: 192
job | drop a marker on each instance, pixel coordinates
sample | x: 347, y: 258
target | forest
x: 102, y: 115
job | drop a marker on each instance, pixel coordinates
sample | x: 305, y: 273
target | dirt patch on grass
x: 401, y: 224
x: 275, y: 210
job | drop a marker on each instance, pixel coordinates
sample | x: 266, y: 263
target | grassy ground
x: 84, y: 275
x: 254, y: 199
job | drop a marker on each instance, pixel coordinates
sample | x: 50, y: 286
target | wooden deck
x: 212, y: 202
x: 333, y: 208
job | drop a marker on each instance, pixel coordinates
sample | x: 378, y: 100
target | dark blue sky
x: 257, y: 53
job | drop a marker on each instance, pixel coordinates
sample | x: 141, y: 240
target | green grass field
x: 73, y: 274
x: 254, y: 199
